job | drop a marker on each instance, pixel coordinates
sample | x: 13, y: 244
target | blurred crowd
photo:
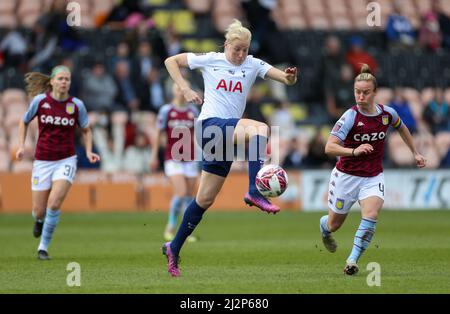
x: 124, y: 91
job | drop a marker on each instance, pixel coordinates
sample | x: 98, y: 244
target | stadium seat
x: 8, y: 20
x: 199, y: 6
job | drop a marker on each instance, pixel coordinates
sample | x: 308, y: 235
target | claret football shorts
x: 344, y: 190
x: 45, y: 172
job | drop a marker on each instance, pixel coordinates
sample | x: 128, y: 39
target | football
x: 271, y: 181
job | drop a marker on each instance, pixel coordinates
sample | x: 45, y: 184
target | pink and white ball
x: 271, y: 181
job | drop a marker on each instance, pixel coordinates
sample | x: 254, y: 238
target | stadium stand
x: 296, y: 33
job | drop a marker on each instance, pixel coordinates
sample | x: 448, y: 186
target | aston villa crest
x: 70, y: 108
x: 385, y: 119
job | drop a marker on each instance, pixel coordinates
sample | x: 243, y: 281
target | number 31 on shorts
x: 69, y: 171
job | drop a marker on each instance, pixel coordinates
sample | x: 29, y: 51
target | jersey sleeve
x: 83, y: 120
x: 261, y: 67
x: 396, y: 121
x: 32, y: 109
x: 343, y: 126
x: 163, y: 116
x: 198, y: 60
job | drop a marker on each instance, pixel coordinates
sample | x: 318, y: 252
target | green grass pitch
x: 249, y: 252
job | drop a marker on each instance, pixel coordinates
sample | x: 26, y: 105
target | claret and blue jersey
x: 57, y: 122
x: 355, y: 128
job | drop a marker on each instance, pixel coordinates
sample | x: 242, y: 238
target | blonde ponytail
x: 37, y: 83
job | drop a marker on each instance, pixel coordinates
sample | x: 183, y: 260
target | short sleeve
x: 163, y: 116
x: 33, y: 108
x: 396, y: 121
x: 198, y: 60
x: 343, y: 126
x: 261, y: 67
x: 83, y: 120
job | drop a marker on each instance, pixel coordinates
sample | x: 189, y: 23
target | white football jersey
x: 226, y: 85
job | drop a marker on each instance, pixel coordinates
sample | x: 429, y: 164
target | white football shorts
x: 344, y: 190
x: 45, y: 172
x: 186, y: 168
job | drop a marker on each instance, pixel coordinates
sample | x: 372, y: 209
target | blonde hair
x: 366, y: 75
x: 37, y: 83
x: 236, y: 31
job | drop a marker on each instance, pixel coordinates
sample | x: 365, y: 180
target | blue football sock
x: 362, y: 239
x: 324, y: 226
x: 191, y: 219
x: 51, y: 220
x: 174, y: 211
x: 256, y: 155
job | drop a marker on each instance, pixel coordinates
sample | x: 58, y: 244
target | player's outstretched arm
x: 87, y: 134
x: 288, y: 76
x: 23, y: 127
x: 173, y: 65
x: 408, y: 139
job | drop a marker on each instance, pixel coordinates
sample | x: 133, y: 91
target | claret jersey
x: 355, y: 128
x: 57, y: 121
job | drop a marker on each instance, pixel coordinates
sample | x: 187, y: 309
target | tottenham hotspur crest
x: 70, y: 108
x: 385, y: 119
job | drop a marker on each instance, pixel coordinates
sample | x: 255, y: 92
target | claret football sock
x: 192, y: 216
x: 50, y: 222
x: 256, y: 155
x: 362, y: 239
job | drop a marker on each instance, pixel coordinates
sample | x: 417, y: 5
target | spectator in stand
x: 444, y: 22
x: 331, y: 63
x: 430, y: 35
x: 295, y: 154
x: 316, y: 157
x: 41, y: 48
x: 152, y: 95
x: 339, y: 94
x: 122, y: 54
x: 142, y: 62
x: 437, y: 113
x: 137, y: 156
x: 14, y: 48
x: 399, y: 30
x: 402, y: 106
x: 126, y: 97
x: 99, y: 89
x: 357, y: 55
x: 69, y: 39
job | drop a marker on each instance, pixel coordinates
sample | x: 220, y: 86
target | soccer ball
x: 271, y: 181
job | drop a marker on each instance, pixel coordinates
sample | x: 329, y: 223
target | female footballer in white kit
x: 358, y: 139
x: 54, y: 168
x: 227, y: 77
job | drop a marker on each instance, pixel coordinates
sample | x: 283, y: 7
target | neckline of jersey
x: 371, y: 115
